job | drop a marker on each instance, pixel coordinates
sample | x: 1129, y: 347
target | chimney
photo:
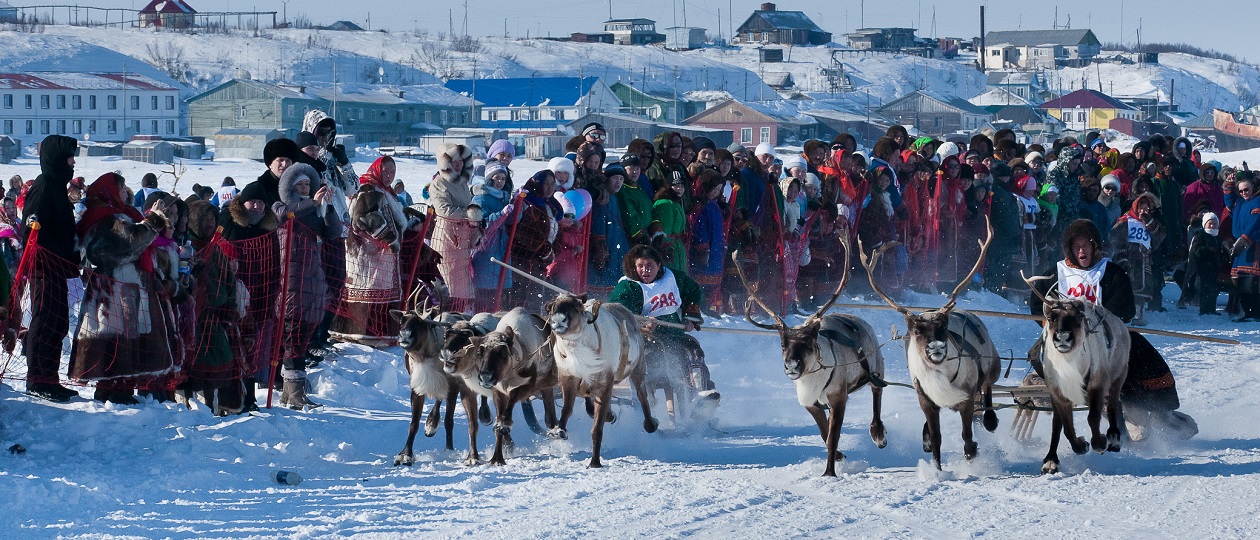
x: 768, y: 6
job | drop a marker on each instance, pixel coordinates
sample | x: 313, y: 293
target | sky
x: 1198, y: 23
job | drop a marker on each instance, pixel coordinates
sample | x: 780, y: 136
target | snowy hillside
x: 1201, y: 83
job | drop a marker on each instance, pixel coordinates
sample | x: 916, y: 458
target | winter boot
x: 294, y: 394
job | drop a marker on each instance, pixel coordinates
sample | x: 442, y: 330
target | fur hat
x: 558, y: 164
x: 1112, y: 180
x: 295, y: 172
x: 277, y: 148
x: 1000, y: 169
x: 451, y: 152
x: 1077, y: 229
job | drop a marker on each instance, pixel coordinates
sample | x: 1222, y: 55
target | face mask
x: 1212, y: 231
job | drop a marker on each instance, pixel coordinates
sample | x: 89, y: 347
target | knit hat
x: 614, y: 169
x: 736, y: 148
x: 494, y: 167
x: 628, y: 160
x: 794, y: 161
x: 980, y: 168
x: 1026, y: 183
x: 1049, y: 188
x: 703, y: 142
x: 305, y: 139
x: 1029, y: 157
x: 501, y: 145
x: 588, y: 128
x: 1207, y: 216
x: 811, y: 179
x: 1111, y: 180
x: 1000, y: 169
x: 1097, y: 142
x: 252, y: 192
x: 277, y: 148
x: 764, y: 148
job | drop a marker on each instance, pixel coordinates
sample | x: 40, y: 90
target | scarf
x: 102, y: 200
x: 375, y: 174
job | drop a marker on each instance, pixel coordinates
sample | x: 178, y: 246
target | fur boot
x: 294, y: 393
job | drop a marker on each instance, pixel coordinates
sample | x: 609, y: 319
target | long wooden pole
x: 1030, y: 317
x: 667, y: 324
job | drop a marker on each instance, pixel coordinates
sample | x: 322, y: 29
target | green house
x: 662, y: 109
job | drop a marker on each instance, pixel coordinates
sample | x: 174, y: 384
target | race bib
x: 1085, y: 284
x: 661, y: 297
x: 1138, y: 233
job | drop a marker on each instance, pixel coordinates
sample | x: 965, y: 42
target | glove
x: 1240, y: 245
x: 339, y: 153
x: 507, y: 210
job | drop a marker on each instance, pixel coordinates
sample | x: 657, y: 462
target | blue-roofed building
x: 537, y: 103
x: 769, y: 25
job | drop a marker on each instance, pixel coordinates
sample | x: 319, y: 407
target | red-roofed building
x: 95, y: 106
x: 168, y: 14
x: 1086, y: 109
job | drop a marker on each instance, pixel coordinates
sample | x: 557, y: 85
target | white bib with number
x: 661, y: 297
x: 1138, y: 233
x: 1085, y: 284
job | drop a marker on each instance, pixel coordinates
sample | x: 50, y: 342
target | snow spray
x: 288, y: 478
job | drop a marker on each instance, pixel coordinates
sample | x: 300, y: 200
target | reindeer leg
x: 527, y: 413
x: 833, y: 432
x: 602, y: 403
x: 820, y: 417
x: 878, y: 434
x: 568, y: 391
x: 968, y: 413
x: 1096, y: 403
x: 469, y: 399
x: 990, y: 417
x: 406, y: 457
x: 451, y: 396
x: 931, y: 428
x: 1063, y: 408
x: 1115, y: 417
x: 636, y: 378
x: 483, y: 414
x: 434, y: 420
x: 502, y: 426
x: 549, y: 407
x: 1050, y: 465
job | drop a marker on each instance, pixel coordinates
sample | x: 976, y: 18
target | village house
x: 536, y: 102
x: 768, y: 25
x: 656, y: 107
x: 89, y: 106
x: 753, y: 124
x: 372, y: 113
x: 167, y: 14
x: 620, y: 129
x: 1036, y: 49
x: 935, y: 114
x: 881, y: 39
x: 633, y: 31
x: 1086, y: 109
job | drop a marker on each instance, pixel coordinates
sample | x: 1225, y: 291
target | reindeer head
x: 419, y: 332
x: 928, y: 332
x: 457, y: 347
x: 567, y: 314
x: 799, y: 343
x: 1066, y: 320
x: 495, y: 354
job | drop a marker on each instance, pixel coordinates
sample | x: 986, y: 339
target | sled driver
x: 1149, y: 395
x: 652, y: 290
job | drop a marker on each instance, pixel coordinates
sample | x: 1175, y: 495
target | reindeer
x: 515, y: 362
x: 827, y: 358
x: 950, y: 356
x: 420, y: 335
x: 596, y: 346
x: 1086, y: 365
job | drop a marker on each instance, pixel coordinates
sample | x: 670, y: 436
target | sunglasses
x: 1109, y: 188
x: 675, y: 183
x: 596, y: 136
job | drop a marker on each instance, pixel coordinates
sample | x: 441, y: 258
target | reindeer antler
x: 962, y: 285
x: 752, y: 295
x: 869, y: 265
x: 1033, y: 287
x: 844, y: 278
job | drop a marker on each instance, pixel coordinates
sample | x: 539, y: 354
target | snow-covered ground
x: 158, y: 470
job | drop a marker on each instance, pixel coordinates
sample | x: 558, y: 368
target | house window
x: 61, y: 127
x: 8, y: 101
x: 76, y: 126
x: 44, y: 102
x: 170, y: 105
x: 154, y: 103
x: 112, y: 126
x: 241, y: 113
x: 443, y: 116
x: 91, y: 126
x: 111, y: 103
x: 44, y: 127
x: 765, y: 135
x: 135, y: 103
x: 76, y: 102
x: 995, y: 53
x: 30, y: 126
x: 135, y: 126
x: 292, y: 111
x: 8, y: 127
x: 92, y: 102
x: 745, y: 135
x: 61, y: 102
x: 154, y: 125
x: 1080, y: 117
x: 428, y: 117
x: 170, y: 127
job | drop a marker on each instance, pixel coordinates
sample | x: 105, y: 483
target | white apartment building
x: 87, y: 106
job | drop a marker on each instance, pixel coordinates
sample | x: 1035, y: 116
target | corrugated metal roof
x: 997, y: 96
x: 1033, y: 38
x: 522, y: 92
x: 168, y: 6
x: 788, y: 20
x: 22, y: 81
x: 1086, y: 99
x: 349, y: 93
x: 79, y: 81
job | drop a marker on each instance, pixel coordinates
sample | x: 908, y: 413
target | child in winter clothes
x: 532, y: 242
x: 565, y: 270
x: 708, y: 238
x: 1206, y: 254
x: 1047, y: 222
x: 876, y: 226
x: 668, y: 223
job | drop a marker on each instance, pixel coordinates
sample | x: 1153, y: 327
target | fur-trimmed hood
x: 240, y: 217
x: 1078, y: 228
x: 448, y: 154
x: 313, y: 118
x: 288, y: 182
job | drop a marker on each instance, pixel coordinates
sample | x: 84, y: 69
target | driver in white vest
x: 652, y: 290
x: 1149, y: 395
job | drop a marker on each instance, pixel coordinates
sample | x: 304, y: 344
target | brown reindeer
x: 1086, y: 364
x: 951, y: 358
x: 596, y: 346
x: 827, y: 358
x: 420, y: 335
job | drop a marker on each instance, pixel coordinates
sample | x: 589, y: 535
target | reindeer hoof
x: 558, y: 434
x: 970, y: 450
x: 878, y: 435
x: 472, y: 461
x: 1113, y: 440
x: 990, y: 421
x: 1099, y: 443
x: 1079, y: 445
x: 404, y: 458
x: 650, y: 425
x: 595, y: 464
x: 831, y: 472
x: 501, y: 428
x: 927, y: 439
x: 1050, y: 466
x: 498, y: 461
x: 610, y: 417
x: 483, y: 413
